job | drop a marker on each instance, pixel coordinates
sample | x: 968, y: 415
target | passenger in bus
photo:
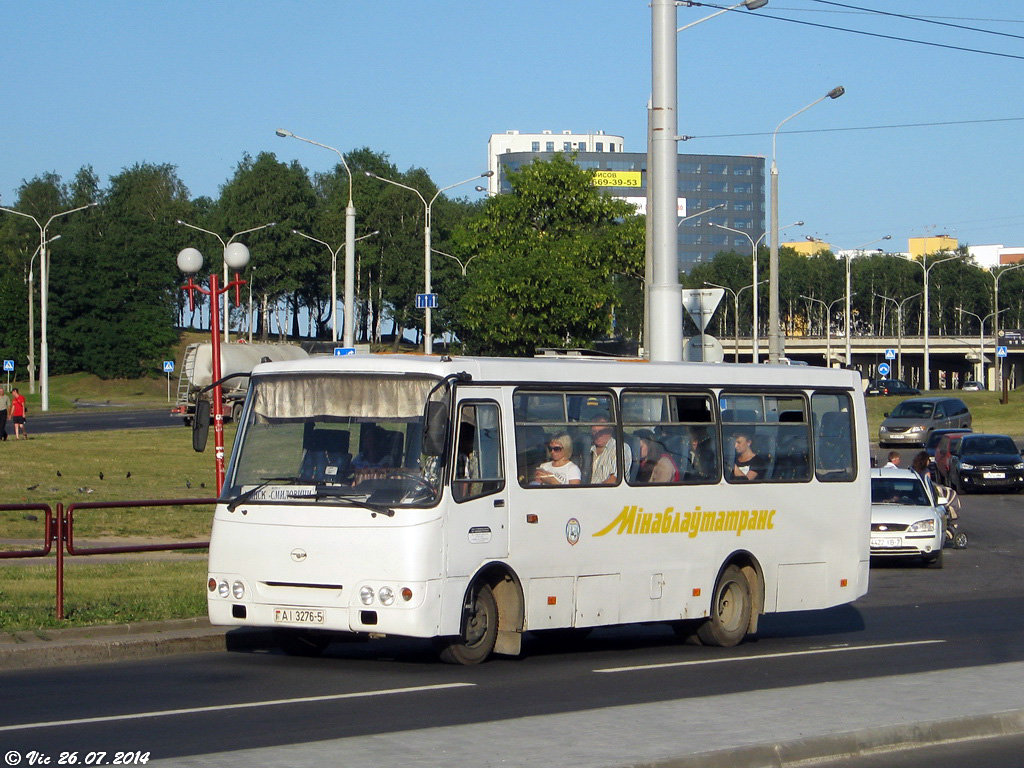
x: 560, y: 470
x: 700, y: 459
x: 748, y: 465
x: 603, y: 465
x: 656, y: 465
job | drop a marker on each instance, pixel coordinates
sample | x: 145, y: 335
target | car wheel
x: 934, y: 561
x: 960, y: 540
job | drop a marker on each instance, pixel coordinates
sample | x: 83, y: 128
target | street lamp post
x: 349, y: 333
x: 981, y: 338
x: 464, y: 265
x: 190, y: 261
x: 827, y: 309
x: 428, y: 341
x: 849, y: 256
x: 995, y: 309
x: 927, y: 268
x: 736, y: 310
x: 775, y: 345
x: 32, y: 319
x: 232, y: 252
x: 755, y: 343
x: 348, y: 338
x: 44, y: 295
x: 899, y: 328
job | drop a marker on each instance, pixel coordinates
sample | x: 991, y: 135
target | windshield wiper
x: 242, y: 498
x: 336, y: 492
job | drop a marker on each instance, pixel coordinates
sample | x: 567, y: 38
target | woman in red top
x: 18, y: 414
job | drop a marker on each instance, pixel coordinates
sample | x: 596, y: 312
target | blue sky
x: 110, y: 83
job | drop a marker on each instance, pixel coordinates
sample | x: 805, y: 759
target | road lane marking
x: 226, y: 707
x: 834, y: 649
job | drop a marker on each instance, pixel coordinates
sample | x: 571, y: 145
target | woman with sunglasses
x: 560, y: 470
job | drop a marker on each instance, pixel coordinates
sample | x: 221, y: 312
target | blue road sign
x: 426, y: 301
x: 890, y: 354
x: 1000, y: 352
x: 342, y: 351
x: 8, y: 365
x: 883, y: 369
x: 168, y: 366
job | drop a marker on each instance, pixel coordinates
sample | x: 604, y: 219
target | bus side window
x: 833, y: 440
x: 477, y: 470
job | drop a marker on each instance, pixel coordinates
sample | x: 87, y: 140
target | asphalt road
x: 100, y: 418
x: 914, y: 620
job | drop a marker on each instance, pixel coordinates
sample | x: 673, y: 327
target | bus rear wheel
x: 479, y: 630
x: 731, y: 608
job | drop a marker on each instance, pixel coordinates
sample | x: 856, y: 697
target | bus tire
x: 731, y: 608
x: 479, y: 630
x: 298, y: 642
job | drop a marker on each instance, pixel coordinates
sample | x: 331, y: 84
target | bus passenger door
x: 478, y: 518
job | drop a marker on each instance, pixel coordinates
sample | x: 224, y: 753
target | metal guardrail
x: 59, y: 526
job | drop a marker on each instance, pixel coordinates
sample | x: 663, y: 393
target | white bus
x: 471, y: 500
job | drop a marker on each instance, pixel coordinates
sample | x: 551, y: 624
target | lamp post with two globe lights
x: 190, y: 261
x: 31, y: 318
x: 44, y: 294
x: 775, y: 342
x: 428, y: 341
x: 234, y: 252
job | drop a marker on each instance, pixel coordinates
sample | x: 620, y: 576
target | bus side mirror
x: 435, y: 428
x: 201, y: 425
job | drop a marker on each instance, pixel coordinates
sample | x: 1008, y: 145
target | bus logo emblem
x: 298, y: 555
x: 572, y: 531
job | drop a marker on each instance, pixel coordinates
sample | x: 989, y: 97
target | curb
x: 126, y: 642
x: 837, y: 746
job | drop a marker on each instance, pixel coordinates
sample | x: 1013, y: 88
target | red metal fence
x: 59, y: 527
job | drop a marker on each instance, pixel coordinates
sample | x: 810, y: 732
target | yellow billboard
x: 617, y: 179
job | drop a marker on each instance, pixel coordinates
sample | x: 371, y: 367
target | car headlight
x: 883, y: 429
x: 966, y: 465
x: 366, y: 595
x: 922, y: 526
x: 1019, y: 465
x: 918, y: 428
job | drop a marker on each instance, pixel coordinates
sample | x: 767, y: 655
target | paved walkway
x: 774, y: 727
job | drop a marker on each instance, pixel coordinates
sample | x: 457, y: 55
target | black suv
x: 890, y: 387
x: 986, y: 461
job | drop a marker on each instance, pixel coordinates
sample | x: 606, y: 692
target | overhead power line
x: 857, y: 128
x: 922, y: 19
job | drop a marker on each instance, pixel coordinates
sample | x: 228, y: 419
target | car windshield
x: 898, y: 490
x: 988, y: 445
x: 352, y: 438
x: 910, y: 409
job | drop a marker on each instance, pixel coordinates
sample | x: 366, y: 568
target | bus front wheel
x: 479, y: 630
x: 731, y: 609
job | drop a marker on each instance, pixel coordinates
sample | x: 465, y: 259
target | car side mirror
x: 201, y: 426
x: 885, y: 415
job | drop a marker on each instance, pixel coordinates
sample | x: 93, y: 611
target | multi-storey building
x: 731, y: 185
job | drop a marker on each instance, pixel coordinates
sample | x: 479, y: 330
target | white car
x: 907, y: 518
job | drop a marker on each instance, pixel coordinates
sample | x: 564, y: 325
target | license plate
x: 298, y: 616
x: 994, y: 475
x: 886, y: 543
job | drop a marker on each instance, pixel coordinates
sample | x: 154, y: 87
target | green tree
x: 546, y: 259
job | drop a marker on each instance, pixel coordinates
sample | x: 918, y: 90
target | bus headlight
x: 238, y: 590
x: 222, y: 589
x: 386, y: 595
x: 366, y: 595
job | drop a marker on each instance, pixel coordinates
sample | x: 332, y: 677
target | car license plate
x: 885, y: 543
x: 994, y: 475
x: 298, y: 616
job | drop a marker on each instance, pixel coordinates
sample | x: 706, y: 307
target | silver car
x: 912, y: 421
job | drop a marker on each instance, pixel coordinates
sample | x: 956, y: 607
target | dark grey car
x: 913, y: 420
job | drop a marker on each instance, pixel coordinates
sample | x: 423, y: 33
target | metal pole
x: 218, y: 402
x: 774, y: 341
x: 428, y: 341
x: 849, y: 354
x: 350, y: 273
x: 665, y: 301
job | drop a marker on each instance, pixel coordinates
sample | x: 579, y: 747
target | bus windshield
x: 307, y: 437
